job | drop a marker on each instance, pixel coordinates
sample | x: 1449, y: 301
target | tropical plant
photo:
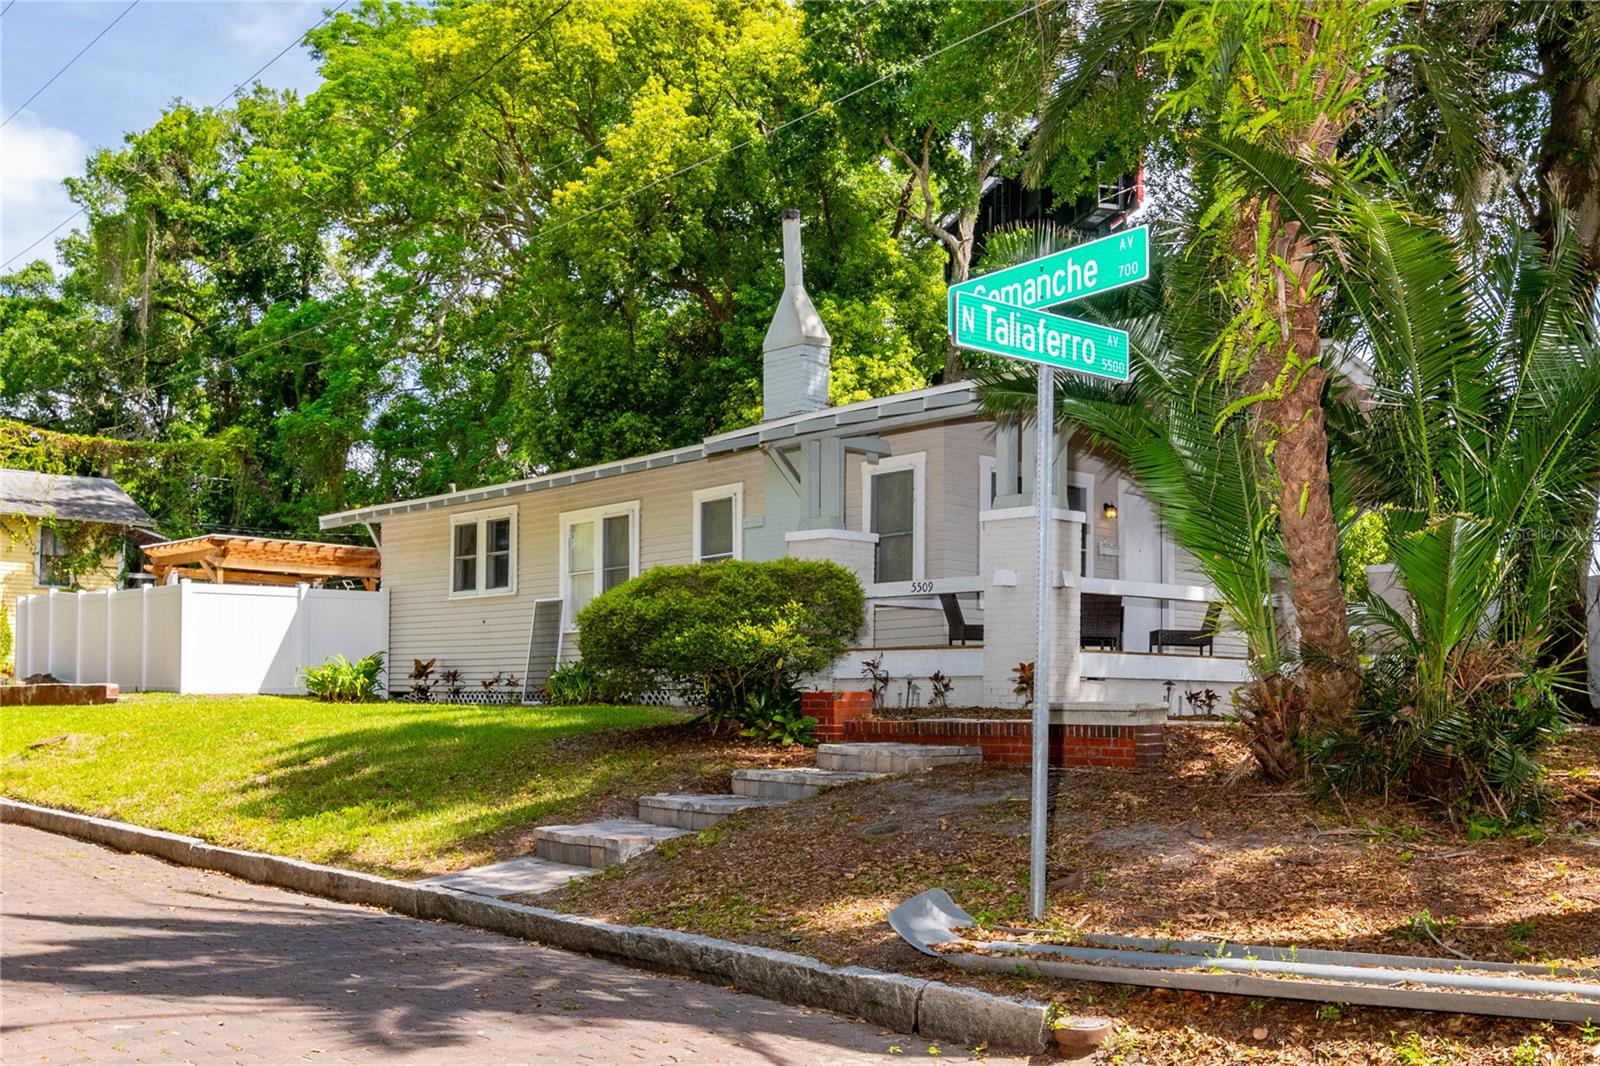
x: 338, y: 680
x: 776, y: 718
x: 576, y: 683
x: 1481, y: 439
x: 422, y: 679
x: 877, y: 680
x: 1022, y: 683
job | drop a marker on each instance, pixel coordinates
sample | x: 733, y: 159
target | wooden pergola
x: 222, y: 558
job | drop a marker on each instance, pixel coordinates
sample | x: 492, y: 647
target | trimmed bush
x: 723, y: 633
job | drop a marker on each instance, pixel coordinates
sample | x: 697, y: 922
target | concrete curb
x: 932, y: 1009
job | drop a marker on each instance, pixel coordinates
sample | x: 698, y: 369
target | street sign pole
x: 1043, y: 506
x: 1005, y: 313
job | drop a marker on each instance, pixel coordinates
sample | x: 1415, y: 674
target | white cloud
x: 263, y: 28
x: 34, y: 158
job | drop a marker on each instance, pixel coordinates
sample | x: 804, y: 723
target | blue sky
x: 163, y: 50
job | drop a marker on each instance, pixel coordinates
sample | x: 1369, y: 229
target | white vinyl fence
x: 195, y: 637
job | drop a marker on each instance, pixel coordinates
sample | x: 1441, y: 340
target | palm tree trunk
x: 1311, y: 535
x: 1568, y: 169
x: 1290, y: 429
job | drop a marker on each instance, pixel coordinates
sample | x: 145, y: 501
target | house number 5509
x: 922, y: 586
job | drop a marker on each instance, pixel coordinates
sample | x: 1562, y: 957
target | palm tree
x: 1481, y: 439
x: 1478, y: 436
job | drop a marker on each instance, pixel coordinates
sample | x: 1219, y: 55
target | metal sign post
x: 1003, y: 313
x: 1045, y: 561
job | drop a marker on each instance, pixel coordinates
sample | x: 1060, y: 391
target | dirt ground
x: 1196, y: 849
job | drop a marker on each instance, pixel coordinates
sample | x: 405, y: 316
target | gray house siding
x: 483, y: 635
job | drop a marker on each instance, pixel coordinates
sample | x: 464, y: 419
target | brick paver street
x: 122, y: 958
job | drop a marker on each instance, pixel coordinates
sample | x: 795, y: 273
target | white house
x: 930, y: 503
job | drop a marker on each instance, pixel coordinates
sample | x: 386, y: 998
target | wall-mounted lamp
x: 1109, y: 510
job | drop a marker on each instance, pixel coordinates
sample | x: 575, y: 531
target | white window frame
x: 40, y: 532
x: 482, y: 519
x: 917, y: 462
x: 1083, y: 480
x: 596, y: 515
x: 734, y: 491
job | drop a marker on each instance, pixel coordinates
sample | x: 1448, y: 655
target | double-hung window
x: 483, y: 553
x: 50, y: 570
x: 718, y: 523
x: 599, y: 551
x: 892, y: 497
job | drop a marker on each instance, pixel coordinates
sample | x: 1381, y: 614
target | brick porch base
x: 846, y: 716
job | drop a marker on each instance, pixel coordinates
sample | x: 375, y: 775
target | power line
x: 281, y: 53
x: 225, y: 98
x: 68, y: 64
x: 8, y: 7
x: 713, y: 157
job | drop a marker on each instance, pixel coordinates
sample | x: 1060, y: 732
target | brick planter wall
x: 1011, y: 740
x: 835, y: 712
x: 56, y: 695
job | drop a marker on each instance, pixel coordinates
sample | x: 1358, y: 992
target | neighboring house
x: 929, y: 502
x: 33, y: 556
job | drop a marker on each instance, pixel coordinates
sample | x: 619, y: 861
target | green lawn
x: 390, y: 787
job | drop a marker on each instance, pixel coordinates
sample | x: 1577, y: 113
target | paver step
x: 791, y: 784
x: 527, y: 874
x: 600, y: 843
x: 894, y: 758
x: 695, y: 811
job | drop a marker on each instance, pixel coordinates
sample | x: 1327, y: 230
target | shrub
x: 723, y: 633
x: 578, y: 683
x: 341, y: 681
x: 1478, y: 746
x: 7, y: 644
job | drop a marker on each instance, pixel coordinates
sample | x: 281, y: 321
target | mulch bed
x: 1200, y: 848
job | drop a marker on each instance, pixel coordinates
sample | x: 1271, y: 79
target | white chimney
x: 794, y: 365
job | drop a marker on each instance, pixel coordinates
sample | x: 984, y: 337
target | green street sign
x: 1083, y: 270
x: 1039, y: 337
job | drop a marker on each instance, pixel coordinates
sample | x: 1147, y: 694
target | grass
x: 388, y: 787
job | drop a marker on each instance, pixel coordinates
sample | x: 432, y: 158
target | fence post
x: 144, y: 638
x: 185, y: 661
x: 77, y: 642
x: 21, y: 637
x: 110, y: 644
x: 50, y: 631
x: 302, y: 622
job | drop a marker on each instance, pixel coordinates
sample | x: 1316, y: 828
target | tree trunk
x: 1289, y: 425
x: 1569, y: 153
x: 960, y: 270
x: 1569, y: 177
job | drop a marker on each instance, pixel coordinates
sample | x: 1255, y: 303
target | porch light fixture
x: 1109, y: 510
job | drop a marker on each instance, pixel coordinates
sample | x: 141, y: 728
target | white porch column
x: 1008, y: 614
x: 850, y: 548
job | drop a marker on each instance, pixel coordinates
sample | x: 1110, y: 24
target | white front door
x: 1141, y: 551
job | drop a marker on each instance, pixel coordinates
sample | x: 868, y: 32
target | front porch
x: 930, y: 651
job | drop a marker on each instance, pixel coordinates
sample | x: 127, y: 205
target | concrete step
x: 525, y: 875
x: 894, y: 758
x: 600, y: 843
x: 695, y: 811
x: 791, y: 784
